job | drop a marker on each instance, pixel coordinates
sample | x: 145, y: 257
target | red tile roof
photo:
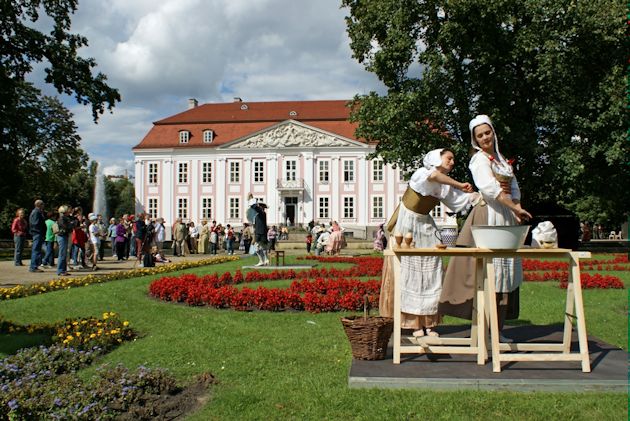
x: 229, y: 121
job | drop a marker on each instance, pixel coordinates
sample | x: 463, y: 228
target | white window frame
x: 348, y: 171
x: 206, y: 172
x: 324, y: 173
x: 235, y: 172
x: 208, y: 136
x: 152, y: 207
x: 235, y: 208
x: 290, y: 169
x: 378, y: 171
x: 401, y: 175
x: 182, y: 208
x: 182, y: 173
x: 348, y: 207
x: 206, y: 208
x: 259, y: 173
x: 152, y: 173
x: 323, y: 209
x: 378, y: 209
x: 184, y: 136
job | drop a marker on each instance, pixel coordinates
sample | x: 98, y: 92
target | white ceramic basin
x: 501, y: 237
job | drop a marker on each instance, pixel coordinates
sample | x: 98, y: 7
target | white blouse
x: 455, y: 199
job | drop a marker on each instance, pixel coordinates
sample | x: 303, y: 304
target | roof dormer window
x: 208, y: 136
x: 244, y: 107
x: 184, y: 136
x: 292, y: 113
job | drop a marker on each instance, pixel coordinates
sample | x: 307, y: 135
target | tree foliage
x: 39, y: 148
x: 120, y: 196
x: 549, y: 72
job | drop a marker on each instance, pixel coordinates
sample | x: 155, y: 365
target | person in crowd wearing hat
x: 102, y: 235
x: 37, y: 229
x: 494, y: 177
x: 260, y: 233
x: 421, y: 276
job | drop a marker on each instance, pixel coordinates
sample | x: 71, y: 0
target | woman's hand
x: 466, y: 187
x: 521, y: 214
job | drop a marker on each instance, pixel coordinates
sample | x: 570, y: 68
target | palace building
x: 300, y: 157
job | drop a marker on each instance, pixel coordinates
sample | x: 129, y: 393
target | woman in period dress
x: 421, y: 277
x: 494, y: 177
x: 337, y: 240
x: 380, y: 241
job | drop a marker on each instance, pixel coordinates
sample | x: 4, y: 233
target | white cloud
x: 159, y: 53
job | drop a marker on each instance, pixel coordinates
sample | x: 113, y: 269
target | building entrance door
x: 290, y: 210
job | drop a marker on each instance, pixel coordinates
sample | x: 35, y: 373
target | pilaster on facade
x: 167, y: 207
x: 308, y: 197
x: 195, y: 177
x: 335, y: 200
x: 221, y: 198
x: 139, y: 185
x: 363, y: 181
x: 273, y: 196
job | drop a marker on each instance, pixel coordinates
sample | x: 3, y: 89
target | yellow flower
x: 125, y: 323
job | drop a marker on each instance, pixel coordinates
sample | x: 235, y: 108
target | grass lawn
x: 294, y: 365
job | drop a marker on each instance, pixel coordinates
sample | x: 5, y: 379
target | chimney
x: 192, y: 103
x: 237, y: 99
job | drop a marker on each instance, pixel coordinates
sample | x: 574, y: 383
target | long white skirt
x: 421, y: 277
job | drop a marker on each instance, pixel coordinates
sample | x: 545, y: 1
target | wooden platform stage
x: 456, y: 372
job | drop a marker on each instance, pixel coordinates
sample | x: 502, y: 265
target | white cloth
x: 544, y: 234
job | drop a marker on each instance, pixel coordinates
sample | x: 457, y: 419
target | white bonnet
x: 478, y: 121
x: 432, y: 159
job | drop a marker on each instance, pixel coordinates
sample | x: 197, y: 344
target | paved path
x: 11, y: 275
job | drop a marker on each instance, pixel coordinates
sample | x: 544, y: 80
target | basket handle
x: 366, y: 306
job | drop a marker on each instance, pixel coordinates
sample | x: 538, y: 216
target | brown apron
x: 415, y: 202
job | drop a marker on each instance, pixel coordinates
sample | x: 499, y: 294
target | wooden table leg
x: 481, y: 327
x: 574, y: 278
x: 491, y: 302
x: 397, y: 298
x: 568, y: 319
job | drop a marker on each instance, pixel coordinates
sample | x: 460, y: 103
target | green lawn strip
x: 294, y: 365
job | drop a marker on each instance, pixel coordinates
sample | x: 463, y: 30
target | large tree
x: 549, y: 72
x: 39, y: 148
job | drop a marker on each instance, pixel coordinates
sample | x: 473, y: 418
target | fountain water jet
x: 100, y: 204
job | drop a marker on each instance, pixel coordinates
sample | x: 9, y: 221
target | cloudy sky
x: 159, y: 53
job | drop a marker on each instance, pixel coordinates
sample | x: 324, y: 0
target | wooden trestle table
x: 485, y: 312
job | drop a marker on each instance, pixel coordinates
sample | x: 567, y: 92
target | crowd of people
x: 80, y: 240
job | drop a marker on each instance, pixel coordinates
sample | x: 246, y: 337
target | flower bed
x: 618, y: 263
x: 67, y: 283
x: 597, y: 281
x: 314, y: 290
x: 314, y: 296
x: 41, y: 382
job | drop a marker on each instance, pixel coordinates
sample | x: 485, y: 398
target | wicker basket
x: 368, y: 336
